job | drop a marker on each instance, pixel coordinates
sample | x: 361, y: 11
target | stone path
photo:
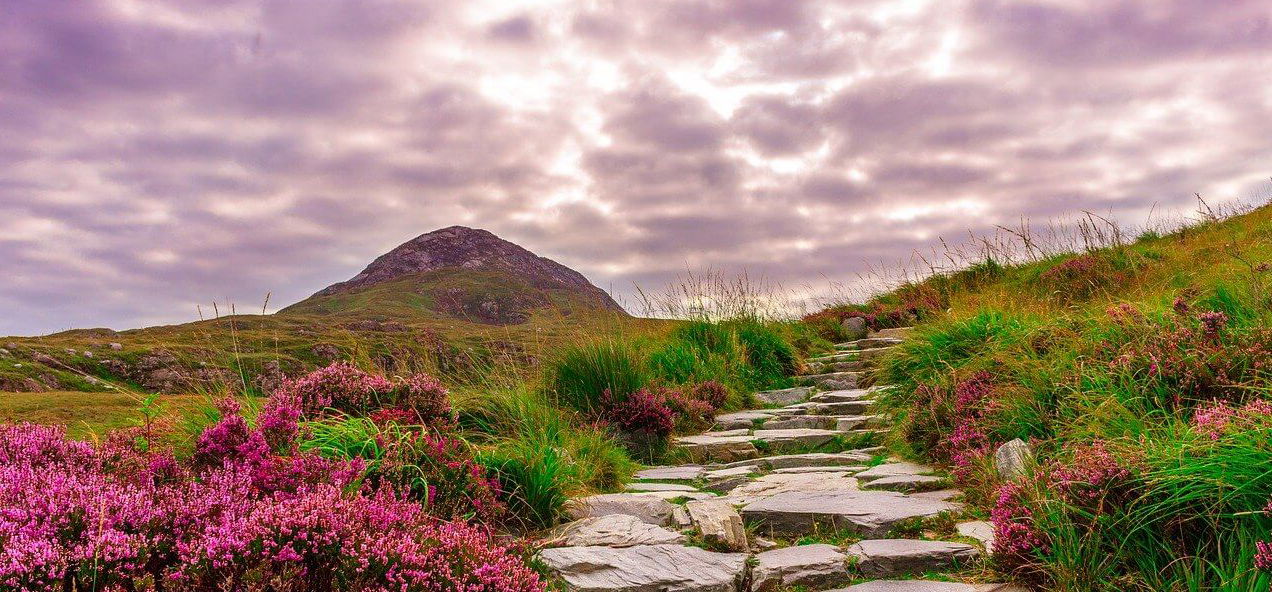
x: 762, y: 487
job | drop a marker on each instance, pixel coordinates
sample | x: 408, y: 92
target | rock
x: 888, y: 557
x: 738, y: 471
x: 783, y: 396
x: 722, y: 448
x: 816, y: 422
x: 645, y: 568
x: 680, y: 518
x: 927, y: 586
x: 894, y: 469
x: 86, y: 353
x: 810, y: 566
x: 645, y: 487
x: 895, y: 332
x: 858, y: 407
x: 842, y: 396
x: 679, y: 473
x: 649, y: 508
x: 829, y: 469
x: 613, y: 530
x: 115, y: 346
x: 852, y: 422
x: 740, y: 419
x: 779, y: 483
x: 905, y: 483
x: 814, y: 459
x: 940, y: 494
x: 718, y: 523
x: 831, y: 381
x: 736, y: 432
x: 803, y: 436
x: 869, y: 513
x: 11, y: 346
x: 1013, y: 459
x: 43, y: 358
x: 4, y: 352
x: 855, y: 328
x: 980, y: 530
x: 726, y: 484
x: 681, y: 495
x: 325, y: 352
x: 763, y: 544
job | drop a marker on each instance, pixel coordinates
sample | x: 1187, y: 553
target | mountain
x: 462, y: 273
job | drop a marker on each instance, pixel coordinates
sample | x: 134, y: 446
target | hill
x: 452, y: 301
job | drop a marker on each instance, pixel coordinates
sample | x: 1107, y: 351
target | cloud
x: 163, y: 154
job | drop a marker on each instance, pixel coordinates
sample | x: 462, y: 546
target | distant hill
x: 462, y: 273
x: 453, y: 301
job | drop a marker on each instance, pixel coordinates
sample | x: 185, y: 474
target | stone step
x: 670, y: 473
x: 892, y: 557
x: 858, y: 407
x: 611, y: 530
x: 927, y: 586
x: 811, y: 459
x: 894, y: 469
x: 666, y: 568
x: 848, y: 366
x: 898, y: 332
x: 868, y: 513
x: 783, y: 396
x: 853, y: 355
x: 842, y: 395
x: 812, y: 567
x: 832, y: 381
x: 849, y: 423
x: 740, y: 419
x: 867, y: 343
x: 905, y: 483
x: 801, y: 436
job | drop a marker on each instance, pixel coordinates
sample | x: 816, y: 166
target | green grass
x: 92, y: 415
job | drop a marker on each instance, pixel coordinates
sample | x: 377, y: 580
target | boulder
x: 115, y: 346
x: 868, y: 513
x: 855, y: 328
x: 645, y: 568
x: 810, y: 566
x: 648, y: 507
x: 612, y: 530
x: 1013, y: 459
x: 718, y: 523
x: 887, y: 557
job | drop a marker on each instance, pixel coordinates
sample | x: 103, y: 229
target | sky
x: 161, y: 154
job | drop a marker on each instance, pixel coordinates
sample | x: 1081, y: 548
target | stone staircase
x: 793, y: 495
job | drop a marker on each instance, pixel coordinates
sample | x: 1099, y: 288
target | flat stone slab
x: 783, y: 396
x: 904, y: 483
x: 680, y: 473
x: 831, y: 380
x: 897, y: 332
x: 645, y: 568
x: 814, y: 459
x: 869, y: 343
x: 613, y: 530
x: 940, y: 494
x: 807, y: 436
x: 738, y: 471
x: 644, y: 487
x: 828, y: 469
x: 889, y: 557
x: 894, y: 469
x: 980, y: 530
x: 812, y: 567
x: 740, y: 419
x: 780, y: 483
x: 830, y: 358
x: 837, y: 366
x: 847, y: 423
x: 869, y: 513
x: 648, y: 507
x: 858, y: 407
x: 678, y: 495
x: 816, y: 422
x: 927, y: 586
x: 724, y: 448
x: 725, y: 433
x: 840, y: 396
x: 718, y: 523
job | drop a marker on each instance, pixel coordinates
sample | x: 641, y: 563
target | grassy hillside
x: 1139, y: 371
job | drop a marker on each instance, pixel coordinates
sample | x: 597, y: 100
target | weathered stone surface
x: 840, y: 396
x: 940, y: 494
x: 645, y: 568
x: 814, y: 459
x: 737, y: 471
x: 927, y: 586
x: 852, y: 422
x: 841, y: 366
x: 832, y: 380
x: 643, y: 487
x: 829, y: 469
x: 888, y: 557
x: 723, y: 448
x: 904, y: 483
x: 725, y: 433
x: 613, y: 530
x: 855, y: 328
x: 869, y: 513
x: 648, y: 507
x: 680, y: 473
x: 810, y: 566
x: 779, y: 483
x: 806, y: 436
x: 740, y: 419
x: 726, y: 484
x: 894, y: 469
x: 783, y: 396
x: 839, y: 357
x: 980, y: 530
x: 1013, y: 459
x: 718, y: 523
x: 858, y: 407
x: 817, y: 422
x: 681, y: 495
x: 895, y: 332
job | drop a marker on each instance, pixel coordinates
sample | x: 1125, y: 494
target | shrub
x: 644, y: 412
x: 426, y: 398
x: 340, y: 386
x: 711, y: 392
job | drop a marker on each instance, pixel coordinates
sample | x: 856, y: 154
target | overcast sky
x: 155, y: 155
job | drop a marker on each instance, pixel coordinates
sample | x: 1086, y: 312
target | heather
x: 1138, y: 372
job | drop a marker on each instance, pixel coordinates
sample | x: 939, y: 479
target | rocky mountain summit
x: 474, y: 249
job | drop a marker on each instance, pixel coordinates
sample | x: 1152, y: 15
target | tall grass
x: 582, y: 373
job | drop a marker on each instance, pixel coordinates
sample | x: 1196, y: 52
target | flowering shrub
x: 1080, y: 277
x: 712, y: 393
x: 691, y: 413
x: 425, y: 396
x: 1263, y: 549
x: 1217, y: 417
x: 1092, y: 477
x: 642, y: 413
x: 440, y: 471
x: 74, y: 516
x: 340, y: 386
x: 1016, y: 536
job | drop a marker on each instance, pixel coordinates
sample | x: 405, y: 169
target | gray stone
x: 888, y: 557
x: 841, y: 396
x: 680, y: 473
x: 818, y: 422
x: 927, y: 586
x: 643, y: 487
x: 727, y: 484
x: 648, y: 507
x: 723, y: 448
x: 740, y: 419
x: 1013, y: 459
x: 894, y: 469
x: 829, y: 469
x: 738, y: 471
x: 115, y: 346
x: 805, y: 436
x: 810, y: 566
x: 645, y: 568
x: 904, y: 482
x: 842, y: 366
x: 855, y: 328
x: 869, y: 513
x: 832, y: 380
x: 858, y: 407
x: 680, y: 518
x: 852, y: 422
x: 940, y: 494
x: 613, y: 530
x: 726, y: 433
x: 980, y: 530
x: 783, y: 396
x: 718, y: 523
x: 779, y: 483
x: 814, y: 459
x: 895, y: 332
x: 681, y: 495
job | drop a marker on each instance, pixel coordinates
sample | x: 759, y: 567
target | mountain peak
x: 459, y: 248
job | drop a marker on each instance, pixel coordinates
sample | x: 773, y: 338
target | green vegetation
x: 1140, y: 373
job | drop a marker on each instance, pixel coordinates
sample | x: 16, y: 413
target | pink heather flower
x: 1263, y: 555
x: 644, y: 411
x: 1181, y: 307
x: 1212, y: 322
x: 425, y: 396
x: 340, y: 386
x: 1015, y: 534
x: 711, y: 392
x: 1090, y: 475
